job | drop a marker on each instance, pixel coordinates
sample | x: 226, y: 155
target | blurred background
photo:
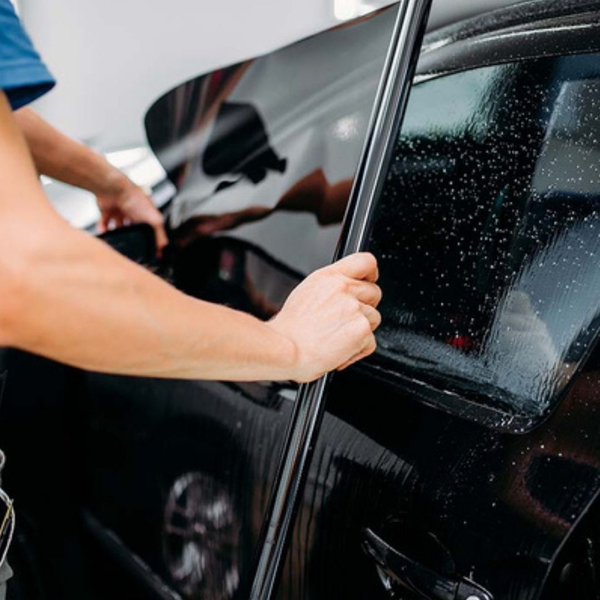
x: 113, y: 59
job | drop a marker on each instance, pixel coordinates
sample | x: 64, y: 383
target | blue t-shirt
x: 23, y: 75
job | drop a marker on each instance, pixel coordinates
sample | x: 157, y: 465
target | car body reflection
x: 271, y: 145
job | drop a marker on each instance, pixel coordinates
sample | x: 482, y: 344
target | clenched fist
x: 331, y: 316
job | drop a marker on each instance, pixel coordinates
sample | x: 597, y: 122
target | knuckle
x: 345, y: 286
x: 340, y: 285
x: 364, y: 327
x: 369, y: 261
x: 378, y: 318
x: 378, y: 294
x: 372, y: 347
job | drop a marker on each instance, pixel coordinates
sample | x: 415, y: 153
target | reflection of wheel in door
x: 201, y: 538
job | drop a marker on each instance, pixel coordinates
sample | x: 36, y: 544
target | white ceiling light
x: 345, y: 9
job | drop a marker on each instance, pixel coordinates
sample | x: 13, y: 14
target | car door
x: 465, y: 448
x: 462, y: 459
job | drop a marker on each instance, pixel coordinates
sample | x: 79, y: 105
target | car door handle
x: 425, y: 582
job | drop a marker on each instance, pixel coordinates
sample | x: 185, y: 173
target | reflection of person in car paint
x: 241, y: 146
x: 313, y: 194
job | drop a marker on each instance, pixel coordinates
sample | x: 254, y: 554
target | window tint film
x: 488, y: 231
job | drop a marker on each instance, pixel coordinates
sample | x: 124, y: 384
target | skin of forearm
x: 67, y: 296
x: 84, y: 305
x: 58, y: 156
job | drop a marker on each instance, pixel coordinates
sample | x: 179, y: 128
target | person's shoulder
x: 23, y: 75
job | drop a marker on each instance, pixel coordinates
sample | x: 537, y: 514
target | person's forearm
x: 58, y: 156
x: 69, y: 297
x: 83, y: 304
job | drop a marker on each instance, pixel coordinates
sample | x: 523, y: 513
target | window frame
x: 443, y: 56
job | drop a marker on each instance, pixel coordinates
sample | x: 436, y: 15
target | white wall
x: 112, y: 59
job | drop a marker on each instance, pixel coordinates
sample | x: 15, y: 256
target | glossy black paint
x: 457, y: 497
x: 404, y: 470
x: 165, y: 471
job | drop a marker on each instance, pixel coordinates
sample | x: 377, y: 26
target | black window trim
x: 529, y: 30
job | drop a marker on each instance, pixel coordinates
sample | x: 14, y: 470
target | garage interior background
x: 113, y: 59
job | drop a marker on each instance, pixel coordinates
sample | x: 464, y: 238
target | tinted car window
x: 488, y: 234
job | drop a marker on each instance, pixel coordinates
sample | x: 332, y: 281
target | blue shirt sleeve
x: 23, y: 75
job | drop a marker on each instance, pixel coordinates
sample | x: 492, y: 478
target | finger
x: 366, y: 292
x: 161, y: 238
x: 373, y: 316
x: 362, y: 265
x: 104, y: 223
x: 367, y: 351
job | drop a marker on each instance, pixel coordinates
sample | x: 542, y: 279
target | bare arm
x: 58, y: 156
x: 67, y: 296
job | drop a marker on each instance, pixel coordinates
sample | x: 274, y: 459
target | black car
x: 462, y: 460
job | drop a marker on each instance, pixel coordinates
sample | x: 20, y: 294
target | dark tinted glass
x: 488, y: 234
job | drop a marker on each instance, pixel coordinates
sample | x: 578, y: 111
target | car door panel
x: 501, y: 473
x: 479, y: 480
